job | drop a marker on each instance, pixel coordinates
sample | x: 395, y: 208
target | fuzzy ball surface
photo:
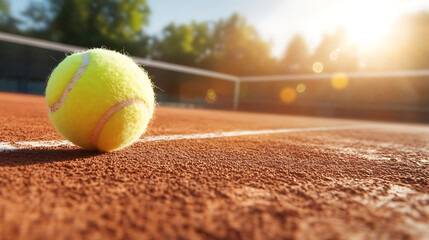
x: 100, y: 99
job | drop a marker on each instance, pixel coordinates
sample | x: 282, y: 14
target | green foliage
x: 238, y: 49
x: 109, y: 23
x: 7, y: 22
x: 229, y: 46
x: 4, y: 8
x: 38, y: 14
x: 95, y: 22
x: 185, y: 44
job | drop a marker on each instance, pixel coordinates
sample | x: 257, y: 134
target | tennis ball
x: 100, y: 99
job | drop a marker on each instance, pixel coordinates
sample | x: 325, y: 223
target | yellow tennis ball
x: 100, y: 99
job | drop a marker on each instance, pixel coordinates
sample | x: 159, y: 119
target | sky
x: 277, y: 21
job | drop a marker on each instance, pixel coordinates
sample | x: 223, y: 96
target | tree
x: 296, y: 58
x: 8, y: 23
x: 110, y: 23
x: 184, y: 44
x: 37, y: 18
x: 238, y: 49
x: 4, y: 10
x: 38, y: 14
x: 230, y: 46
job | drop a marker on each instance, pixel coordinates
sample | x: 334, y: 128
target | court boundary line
x: 26, y: 145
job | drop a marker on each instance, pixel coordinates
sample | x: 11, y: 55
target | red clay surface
x: 368, y: 183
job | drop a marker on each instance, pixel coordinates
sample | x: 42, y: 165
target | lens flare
x: 211, y: 96
x: 288, y: 95
x: 339, y: 81
x: 333, y: 55
x: 301, y: 88
x: 317, y: 67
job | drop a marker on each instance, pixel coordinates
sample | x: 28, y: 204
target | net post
x: 236, y: 94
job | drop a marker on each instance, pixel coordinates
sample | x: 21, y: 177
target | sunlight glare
x: 368, y: 22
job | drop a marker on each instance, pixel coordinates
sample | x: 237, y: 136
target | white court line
x: 5, y: 146
x: 245, y: 133
x: 8, y: 146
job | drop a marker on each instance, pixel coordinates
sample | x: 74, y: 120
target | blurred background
x: 340, y: 58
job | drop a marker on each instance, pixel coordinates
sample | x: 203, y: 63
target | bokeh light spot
x: 317, y: 67
x: 288, y: 95
x: 301, y: 88
x: 339, y: 81
x: 333, y: 55
x: 211, y: 96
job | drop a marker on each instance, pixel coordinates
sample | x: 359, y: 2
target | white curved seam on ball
x: 109, y: 113
x: 76, y: 76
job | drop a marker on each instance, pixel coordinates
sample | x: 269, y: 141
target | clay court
x: 211, y: 174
